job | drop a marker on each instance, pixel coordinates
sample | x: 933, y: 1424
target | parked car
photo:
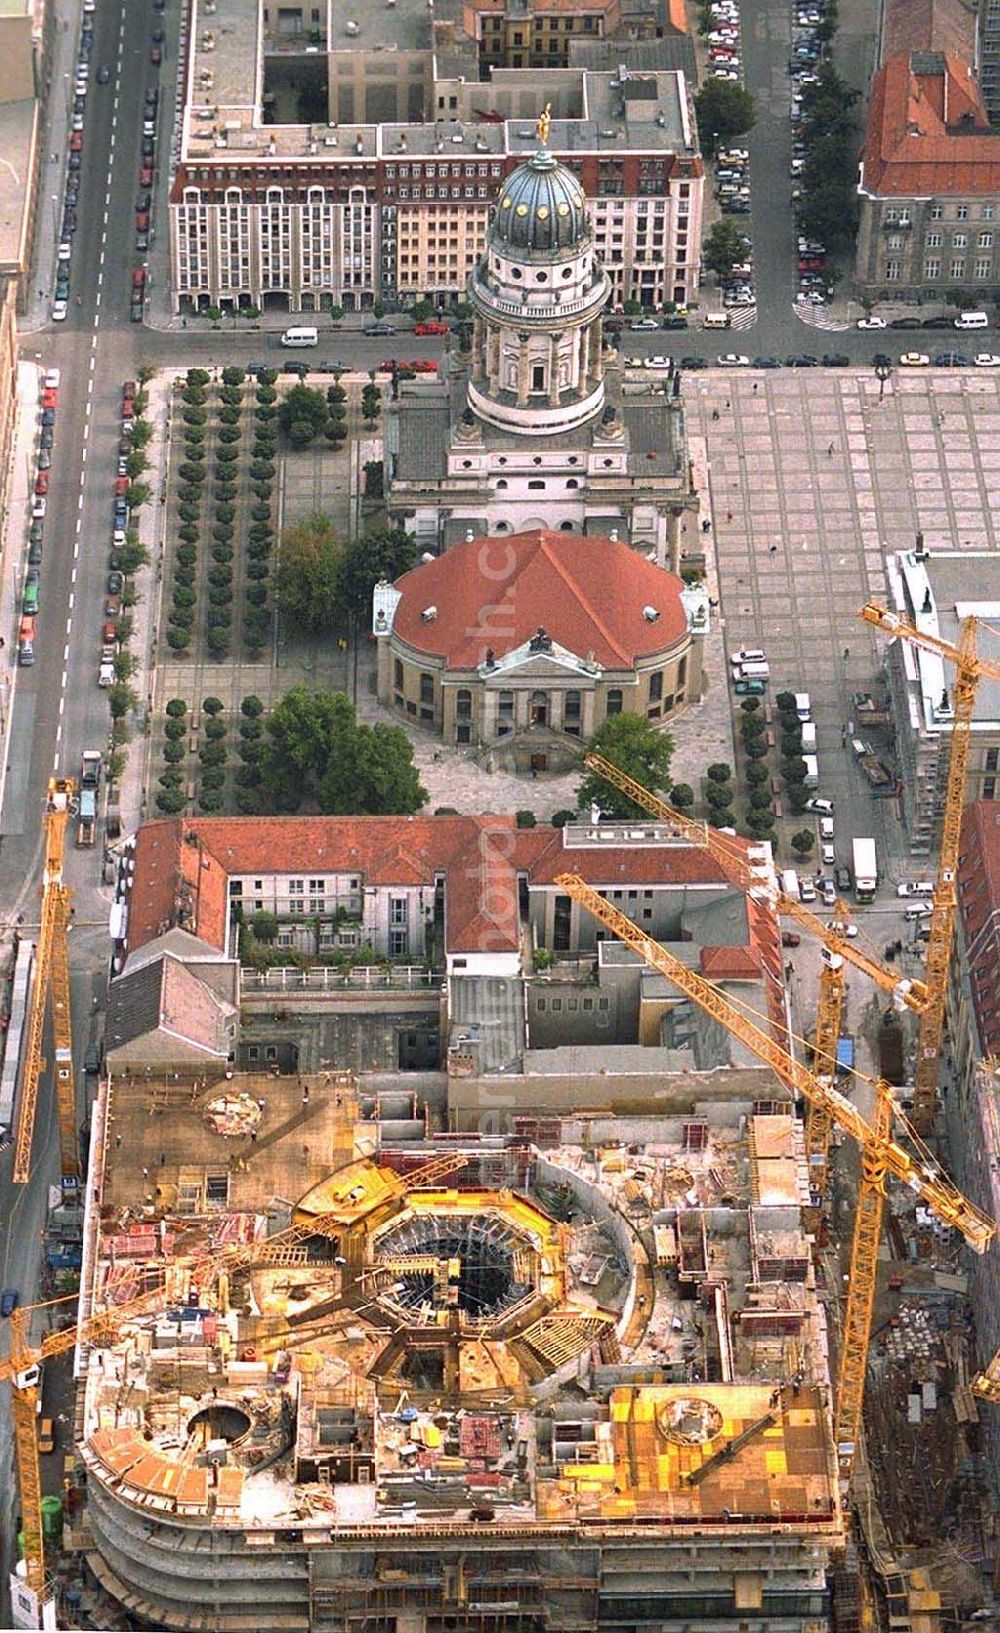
x: 872, y: 323
x: 732, y: 360
x: 431, y: 326
x: 905, y: 323
x: 822, y: 807
x: 790, y: 938
x: 10, y: 1298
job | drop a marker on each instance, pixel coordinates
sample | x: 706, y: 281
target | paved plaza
x: 810, y: 480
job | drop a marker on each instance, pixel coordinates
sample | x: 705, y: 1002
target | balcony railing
x: 329, y: 978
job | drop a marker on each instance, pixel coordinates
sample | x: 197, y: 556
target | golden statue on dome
x: 544, y: 124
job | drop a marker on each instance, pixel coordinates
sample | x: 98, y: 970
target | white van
x: 972, y: 320
x: 826, y: 828
x: 715, y: 320
x: 812, y: 771
x: 300, y: 337
x: 808, y: 738
x: 752, y: 671
x: 803, y: 706
x: 807, y: 890
x: 790, y: 883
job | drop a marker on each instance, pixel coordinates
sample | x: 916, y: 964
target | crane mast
x: 881, y: 1155
x: 969, y: 668
x: 51, y: 981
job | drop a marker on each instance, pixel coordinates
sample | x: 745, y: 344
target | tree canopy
x: 724, y: 110
x: 365, y: 560
x: 635, y: 747
x: 302, y: 415
x: 316, y: 753
x: 305, y: 583
x: 724, y: 247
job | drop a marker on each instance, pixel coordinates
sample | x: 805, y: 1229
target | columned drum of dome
x: 538, y: 293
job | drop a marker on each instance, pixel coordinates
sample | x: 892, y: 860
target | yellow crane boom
x: 733, y: 862
x: 881, y: 1155
x: 969, y: 668
x: 51, y: 977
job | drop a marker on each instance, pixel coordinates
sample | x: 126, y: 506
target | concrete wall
x: 623, y: 1092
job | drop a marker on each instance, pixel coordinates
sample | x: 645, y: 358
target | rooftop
x: 937, y: 590
x: 18, y: 134
x: 928, y: 133
x: 596, y: 598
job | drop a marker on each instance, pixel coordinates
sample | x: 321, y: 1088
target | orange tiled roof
x: 928, y: 134
x: 182, y: 867
x: 588, y: 593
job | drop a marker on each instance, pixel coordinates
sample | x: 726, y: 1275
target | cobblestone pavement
x: 813, y: 482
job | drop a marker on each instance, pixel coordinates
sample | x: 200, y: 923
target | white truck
x: 865, y: 870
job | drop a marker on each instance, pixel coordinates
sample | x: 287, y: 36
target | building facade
x: 929, y: 184
x: 972, y: 1096
x: 936, y: 590
x: 314, y: 174
x: 472, y: 659
x: 535, y: 428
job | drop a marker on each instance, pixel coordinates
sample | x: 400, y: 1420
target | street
x: 769, y: 472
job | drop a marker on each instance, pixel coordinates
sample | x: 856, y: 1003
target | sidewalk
x: 54, y: 138
x: 15, y: 547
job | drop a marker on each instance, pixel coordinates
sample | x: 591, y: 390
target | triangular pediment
x: 529, y: 665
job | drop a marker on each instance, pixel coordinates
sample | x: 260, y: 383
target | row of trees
x: 827, y: 210
x: 304, y: 414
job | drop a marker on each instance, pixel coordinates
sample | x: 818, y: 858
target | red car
x: 128, y: 389
x: 50, y: 397
x: 387, y: 365
x: 42, y: 482
x: 76, y: 142
x: 431, y: 327
x: 146, y: 176
x: 121, y: 487
x: 812, y: 263
x: 790, y: 938
x: 421, y: 365
x: 128, y: 408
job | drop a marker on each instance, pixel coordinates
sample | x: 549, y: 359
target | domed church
x: 539, y: 425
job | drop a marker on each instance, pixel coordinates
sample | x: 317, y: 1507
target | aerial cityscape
x: 500, y: 816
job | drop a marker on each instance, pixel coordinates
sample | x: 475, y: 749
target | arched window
x: 566, y: 527
x: 572, y: 483
x: 614, y: 701
x: 501, y: 483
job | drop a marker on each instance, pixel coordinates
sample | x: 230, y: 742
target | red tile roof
x: 588, y: 593
x: 182, y: 867
x: 729, y: 964
x: 928, y: 133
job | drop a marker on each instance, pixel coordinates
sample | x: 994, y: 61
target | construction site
x: 674, y: 1335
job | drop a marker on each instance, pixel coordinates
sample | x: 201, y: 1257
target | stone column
x: 583, y: 358
x: 477, y: 348
x: 597, y: 349
x: 523, y: 374
x: 587, y: 706
x: 554, y: 370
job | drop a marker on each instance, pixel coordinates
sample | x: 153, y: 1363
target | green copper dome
x: 541, y: 208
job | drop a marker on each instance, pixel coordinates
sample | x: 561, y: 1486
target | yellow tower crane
x: 881, y: 1155
x: 51, y: 977
x: 969, y: 668
x: 20, y: 1369
x: 732, y: 859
